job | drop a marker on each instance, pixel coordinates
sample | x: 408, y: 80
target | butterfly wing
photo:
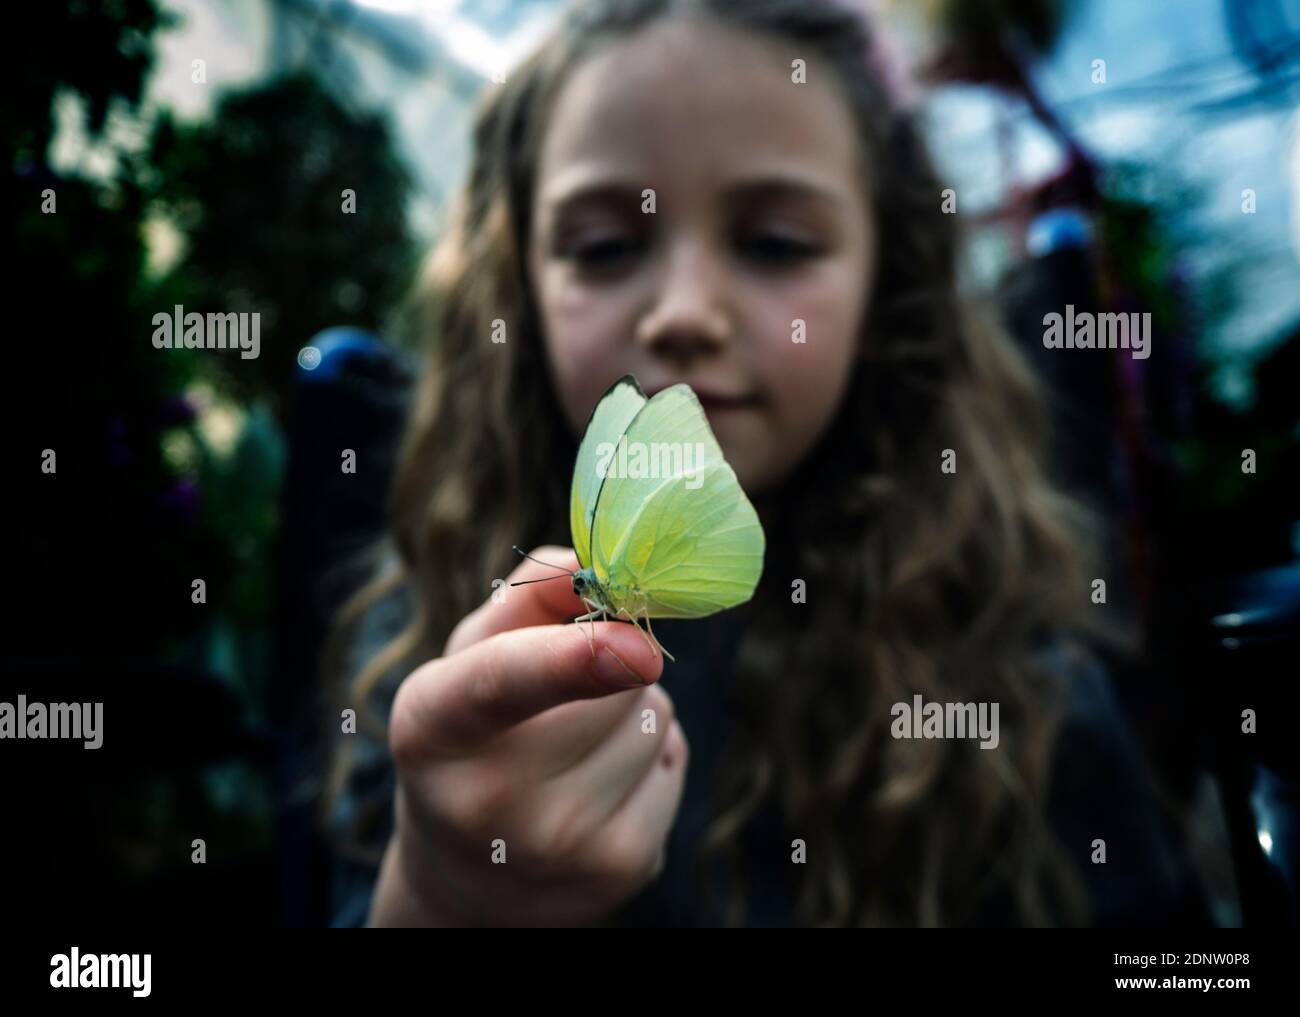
x: 607, y: 423
x: 690, y: 542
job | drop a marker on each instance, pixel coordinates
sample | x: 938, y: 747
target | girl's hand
x: 518, y: 743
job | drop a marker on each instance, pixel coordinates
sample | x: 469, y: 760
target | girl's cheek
x: 804, y: 398
x: 584, y: 345
x: 594, y: 322
x: 806, y: 349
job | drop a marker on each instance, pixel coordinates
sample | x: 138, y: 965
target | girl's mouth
x: 713, y: 401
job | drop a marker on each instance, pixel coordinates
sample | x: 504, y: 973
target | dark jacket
x: 1100, y: 791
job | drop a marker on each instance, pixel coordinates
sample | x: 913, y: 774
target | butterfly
x: 659, y: 521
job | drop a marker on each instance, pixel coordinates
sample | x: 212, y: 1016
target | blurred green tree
x: 258, y: 193
x: 168, y: 462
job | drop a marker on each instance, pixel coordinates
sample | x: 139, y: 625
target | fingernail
x: 611, y: 670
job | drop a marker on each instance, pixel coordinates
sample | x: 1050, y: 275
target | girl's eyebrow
x: 780, y: 187
x: 603, y: 190
x: 748, y: 191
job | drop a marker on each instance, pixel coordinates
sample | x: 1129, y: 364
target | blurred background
x: 1113, y: 155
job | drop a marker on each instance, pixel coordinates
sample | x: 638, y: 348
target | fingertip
x: 616, y: 653
x: 633, y: 648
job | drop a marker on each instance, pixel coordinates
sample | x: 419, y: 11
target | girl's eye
x: 776, y: 249
x: 603, y: 253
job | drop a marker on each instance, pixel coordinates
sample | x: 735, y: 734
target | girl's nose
x: 689, y: 317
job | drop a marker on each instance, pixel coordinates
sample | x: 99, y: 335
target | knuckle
x: 413, y: 724
x: 628, y: 857
x: 558, y: 830
x: 681, y: 747
x: 404, y: 742
x: 399, y: 739
x: 665, y: 712
x: 470, y: 800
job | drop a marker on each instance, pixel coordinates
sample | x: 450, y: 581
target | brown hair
x: 926, y: 582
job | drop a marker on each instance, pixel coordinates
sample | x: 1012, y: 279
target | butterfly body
x: 619, y: 601
x: 596, y: 594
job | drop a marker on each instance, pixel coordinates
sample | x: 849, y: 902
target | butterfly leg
x: 591, y: 641
x: 591, y: 617
x: 625, y: 613
x: 656, y: 647
x: 656, y: 639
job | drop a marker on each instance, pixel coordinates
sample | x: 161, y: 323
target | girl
x: 728, y: 193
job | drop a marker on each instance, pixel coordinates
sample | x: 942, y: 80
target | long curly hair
x: 925, y: 581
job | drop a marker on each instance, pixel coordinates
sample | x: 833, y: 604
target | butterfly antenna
x: 525, y: 582
x: 539, y: 561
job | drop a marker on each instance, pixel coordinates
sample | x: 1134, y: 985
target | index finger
x: 546, y: 600
x: 456, y: 703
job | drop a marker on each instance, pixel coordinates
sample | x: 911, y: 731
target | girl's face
x: 760, y: 220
